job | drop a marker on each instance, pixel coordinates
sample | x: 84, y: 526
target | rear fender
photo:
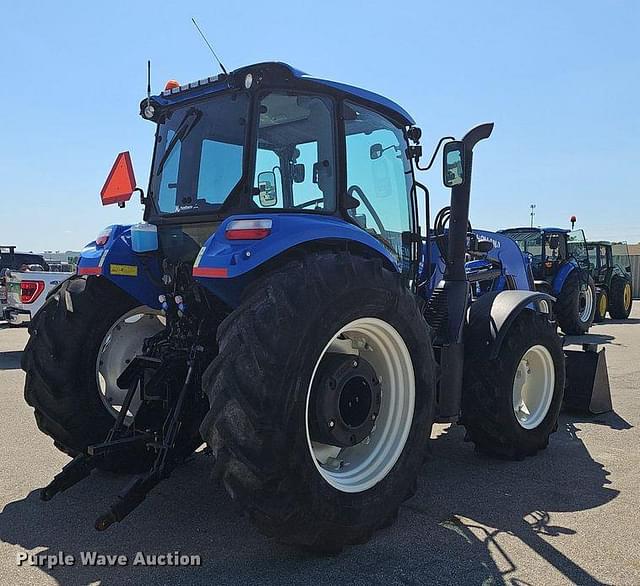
x: 493, y: 314
x: 137, y: 274
x: 226, y: 267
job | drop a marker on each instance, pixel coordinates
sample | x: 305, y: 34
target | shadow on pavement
x: 448, y: 533
x: 10, y: 360
x: 515, y: 499
x: 610, y: 321
x: 590, y: 338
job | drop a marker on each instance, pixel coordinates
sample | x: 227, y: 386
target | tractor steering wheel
x: 365, y: 200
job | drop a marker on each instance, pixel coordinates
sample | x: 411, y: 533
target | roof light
x: 30, y: 291
x: 248, y: 229
x: 248, y: 80
x: 171, y: 84
x: 149, y: 111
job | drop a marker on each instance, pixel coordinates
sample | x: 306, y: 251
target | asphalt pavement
x: 569, y: 515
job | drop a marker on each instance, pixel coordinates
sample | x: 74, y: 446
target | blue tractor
x: 559, y: 262
x: 280, y: 304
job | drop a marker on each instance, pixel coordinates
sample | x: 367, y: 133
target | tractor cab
x: 605, y: 257
x: 270, y: 142
x: 549, y: 249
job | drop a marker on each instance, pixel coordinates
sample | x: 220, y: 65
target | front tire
x: 602, y: 306
x: 576, y: 305
x: 273, y: 376
x: 510, y: 405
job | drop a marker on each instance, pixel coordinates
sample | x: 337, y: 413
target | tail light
x: 30, y: 291
x: 248, y: 229
x: 103, y: 237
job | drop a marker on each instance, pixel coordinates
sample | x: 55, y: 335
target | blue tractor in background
x: 281, y: 304
x: 559, y: 262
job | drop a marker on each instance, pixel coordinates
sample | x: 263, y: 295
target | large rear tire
x: 269, y: 382
x: 621, y: 298
x: 510, y: 405
x: 576, y: 305
x: 65, y: 384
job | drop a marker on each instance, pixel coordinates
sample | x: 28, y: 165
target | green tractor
x: 611, y: 271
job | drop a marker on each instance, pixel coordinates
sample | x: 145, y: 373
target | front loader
x: 278, y: 304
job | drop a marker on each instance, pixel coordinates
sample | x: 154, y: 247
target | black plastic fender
x: 492, y: 315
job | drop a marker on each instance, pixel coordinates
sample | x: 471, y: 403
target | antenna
x: 533, y: 213
x: 209, y: 45
x: 148, y: 82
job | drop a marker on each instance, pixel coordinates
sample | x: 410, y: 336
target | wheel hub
x: 533, y: 386
x: 585, y: 303
x: 119, y: 347
x: 346, y: 400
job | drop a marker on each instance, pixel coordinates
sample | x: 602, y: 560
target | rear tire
x: 259, y: 389
x: 602, y: 306
x: 571, y: 308
x: 621, y: 298
x: 60, y: 361
x: 494, y: 422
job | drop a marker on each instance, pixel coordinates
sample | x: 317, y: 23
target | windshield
x: 530, y: 242
x: 199, y: 157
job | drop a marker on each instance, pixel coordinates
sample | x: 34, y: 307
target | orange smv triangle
x: 121, y: 181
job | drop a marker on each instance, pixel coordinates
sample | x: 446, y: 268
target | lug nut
x: 332, y: 423
x: 354, y: 364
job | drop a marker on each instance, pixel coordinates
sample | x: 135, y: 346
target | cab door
x: 380, y: 180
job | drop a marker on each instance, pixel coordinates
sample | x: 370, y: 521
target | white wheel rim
x: 585, y: 312
x: 533, y: 386
x: 120, y: 345
x: 358, y: 468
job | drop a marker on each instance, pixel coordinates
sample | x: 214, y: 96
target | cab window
x: 379, y: 175
x: 295, y: 158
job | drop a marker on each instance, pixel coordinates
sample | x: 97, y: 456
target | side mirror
x: 121, y: 182
x: 453, y: 164
x: 485, y: 246
x: 554, y: 242
x: 297, y: 173
x: 375, y: 151
x: 268, y: 189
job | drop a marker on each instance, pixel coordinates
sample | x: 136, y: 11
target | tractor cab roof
x: 546, y: 230
x: 273, y: 73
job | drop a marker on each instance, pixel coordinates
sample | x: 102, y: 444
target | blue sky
x: 560, y: 80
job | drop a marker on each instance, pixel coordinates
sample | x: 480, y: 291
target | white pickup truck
x: 26, y: 293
